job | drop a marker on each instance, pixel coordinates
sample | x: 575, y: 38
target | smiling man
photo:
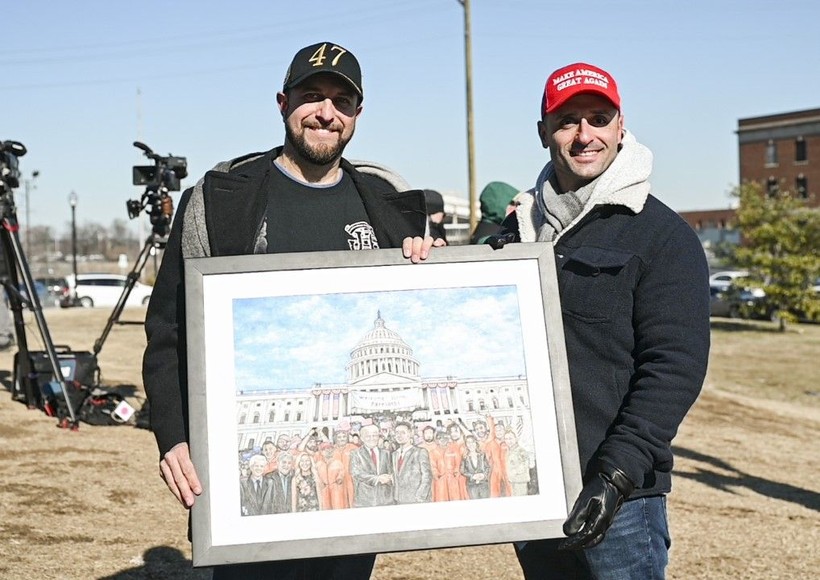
x: 300, y: 197
x: 633, y: 283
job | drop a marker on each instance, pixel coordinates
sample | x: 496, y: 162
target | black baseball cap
x: 324, y: 57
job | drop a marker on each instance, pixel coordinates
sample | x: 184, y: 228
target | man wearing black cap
x: 300, y: 197
x: 633, y: 281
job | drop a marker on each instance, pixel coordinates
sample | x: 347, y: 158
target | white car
x: 723, y: 279
x: 103, y: 290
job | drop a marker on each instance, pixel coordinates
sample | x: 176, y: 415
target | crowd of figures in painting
x: 394, y: 461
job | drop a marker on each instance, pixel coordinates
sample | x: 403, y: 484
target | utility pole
x: 468, y: 70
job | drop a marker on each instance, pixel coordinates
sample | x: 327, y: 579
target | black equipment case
x: 76, y: 366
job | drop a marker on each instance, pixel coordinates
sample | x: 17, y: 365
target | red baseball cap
x: 575, y: 79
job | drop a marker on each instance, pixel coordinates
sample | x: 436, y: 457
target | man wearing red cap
x: 633, y: 283
x: 300, y: 197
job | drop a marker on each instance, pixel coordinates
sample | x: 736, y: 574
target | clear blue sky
x: 207, y: 73
x: 321, y: 331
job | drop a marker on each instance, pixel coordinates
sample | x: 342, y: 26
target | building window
x: 800, y: 153
x: 801, y: 186
x: 256, y: 417
x: 772, y: 187
x: 771, y: 153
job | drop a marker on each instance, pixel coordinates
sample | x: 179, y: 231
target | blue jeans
x: 636, y: 547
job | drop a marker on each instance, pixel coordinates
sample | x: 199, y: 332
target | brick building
x: 782, y: 153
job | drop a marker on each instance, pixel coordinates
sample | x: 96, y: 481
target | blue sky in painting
x: 293, y: 342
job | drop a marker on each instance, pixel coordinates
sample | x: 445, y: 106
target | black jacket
x: 235, y: 203
x: 635, y: 303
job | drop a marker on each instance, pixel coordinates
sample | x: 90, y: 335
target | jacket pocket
x: 593, y: 283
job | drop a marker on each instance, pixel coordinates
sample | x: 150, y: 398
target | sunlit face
x: 499, y: 431
x: 304, y: 462
x: 341, y: 438
x: 429, y: 434
x: 582, y: 136
x: 481, y: 430
x: 320, y: 118
x: 283, y: 443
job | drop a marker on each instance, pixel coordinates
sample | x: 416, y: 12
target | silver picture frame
x: 310, y: 349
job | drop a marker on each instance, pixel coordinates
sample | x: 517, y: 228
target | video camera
x: 9, y: 168
x: 166, y: 171
x: 158, y: 180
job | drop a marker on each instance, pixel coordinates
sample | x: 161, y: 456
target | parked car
x: 103, y: 290
x: 726, y: 278
x: 740, y: 302
x: 56, y: 289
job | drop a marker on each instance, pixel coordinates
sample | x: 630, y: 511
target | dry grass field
x: 88, y: 504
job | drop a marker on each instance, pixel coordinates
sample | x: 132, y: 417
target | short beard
x: 324, y: 155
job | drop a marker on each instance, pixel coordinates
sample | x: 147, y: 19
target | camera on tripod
x: 158, y: 180
x: 17, y: 283
x: 9, y: 167
x: 165, y: 172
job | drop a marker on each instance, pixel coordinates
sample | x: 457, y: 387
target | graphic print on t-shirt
x: 363, y: 237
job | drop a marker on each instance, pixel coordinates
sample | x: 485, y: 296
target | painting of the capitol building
x: 388, y: 434
x: 383, y: 383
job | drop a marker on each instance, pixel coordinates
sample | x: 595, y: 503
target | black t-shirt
x: 311, y: 218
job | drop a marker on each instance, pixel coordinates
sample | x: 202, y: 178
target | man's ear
x: 543, y: 134
x: 282, y: 102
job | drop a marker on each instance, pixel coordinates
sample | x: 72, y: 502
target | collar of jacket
x: 625, y: 183
x: 237, y: 190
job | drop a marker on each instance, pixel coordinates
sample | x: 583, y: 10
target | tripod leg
x: 23, y: 377
x: 12, y: 243
x: 131, y: 279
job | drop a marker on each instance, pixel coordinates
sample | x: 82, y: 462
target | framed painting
x: 353, y: 402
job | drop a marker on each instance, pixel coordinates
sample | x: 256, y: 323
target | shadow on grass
x: 732, y: 325
x: 724, y: 482
x: 162, y: 562
x: 6, y: 379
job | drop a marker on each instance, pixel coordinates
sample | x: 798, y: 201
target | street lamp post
x: 468, y: 73
x: 72, y: 200
x: 29, y: 186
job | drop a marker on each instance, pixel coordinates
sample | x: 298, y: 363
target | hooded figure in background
x: 435, y: 213
x: 496, y: 203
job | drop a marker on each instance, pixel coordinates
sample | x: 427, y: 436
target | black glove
x: 595, y: 508
x: 498, y: 241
